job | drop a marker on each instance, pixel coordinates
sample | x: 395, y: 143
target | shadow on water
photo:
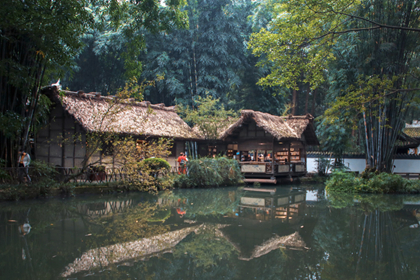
x: 230, y: 233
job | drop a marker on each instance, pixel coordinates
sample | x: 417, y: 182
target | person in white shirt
x: 23, y: 162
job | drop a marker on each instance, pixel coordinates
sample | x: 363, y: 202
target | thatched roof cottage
x: 76, y: 113
x: 269, y: 146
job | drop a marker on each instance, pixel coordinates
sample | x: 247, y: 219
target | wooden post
x: 272, y: 155
x: 49, y: 137
x: 288, y: 157
x: 74, y: 145
x: 306, y: 158
x: 63, y: 127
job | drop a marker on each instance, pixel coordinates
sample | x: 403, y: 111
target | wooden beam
x: 252, y: 180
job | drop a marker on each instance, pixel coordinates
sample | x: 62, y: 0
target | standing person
x: 182, y: 164
x: 24, y: 161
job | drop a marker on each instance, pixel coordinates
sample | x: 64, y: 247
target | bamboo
x: 367, y: 138
x: 313, y: 103
x: 294, y: 105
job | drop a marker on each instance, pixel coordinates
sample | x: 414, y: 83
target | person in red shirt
x: 182, y: 164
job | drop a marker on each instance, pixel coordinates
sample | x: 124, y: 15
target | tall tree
x: 34, y: 36
x: 40, y: 36
x: 207, y: 58
x: 374, y: 38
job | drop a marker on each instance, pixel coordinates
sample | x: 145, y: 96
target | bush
x: 156, y: 164
x: 209, y: 172
x: 42, y: 170
x: 370, y: 181
x: 4, y: 175
x: 341, y: 181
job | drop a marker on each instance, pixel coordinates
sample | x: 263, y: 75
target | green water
x: 296, y: 233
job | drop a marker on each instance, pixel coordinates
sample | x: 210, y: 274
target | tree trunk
x: 294, y: 105
x: 313, y: 103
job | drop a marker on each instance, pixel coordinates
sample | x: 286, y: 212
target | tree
x: 35, y: 36
x: 38, y: 37
x: 370, y: 46
x: 208, y: 58
x: 210, y: 118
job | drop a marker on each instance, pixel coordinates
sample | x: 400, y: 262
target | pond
x: 229, y: 233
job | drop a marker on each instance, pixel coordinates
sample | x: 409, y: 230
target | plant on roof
x: 208, y: 116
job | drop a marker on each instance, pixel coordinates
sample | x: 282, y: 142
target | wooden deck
x: 260, y: 180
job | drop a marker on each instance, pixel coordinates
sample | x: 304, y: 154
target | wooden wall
x: 62, y: 141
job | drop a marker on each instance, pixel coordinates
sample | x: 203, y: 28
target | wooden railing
x: 68, y: 174
x: 291, y: 167
x: 410, y: 176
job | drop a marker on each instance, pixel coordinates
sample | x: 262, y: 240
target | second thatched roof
x: 288, y: 127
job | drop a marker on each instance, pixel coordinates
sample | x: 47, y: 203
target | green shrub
x: 370, y: 181
x: 42, y: 169
x: 4, y: 175
x: 156, y: 164
x: 209, y: 172
x: 341, y: 181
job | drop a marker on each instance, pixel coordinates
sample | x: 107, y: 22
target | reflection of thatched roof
x: 292, y: 241
x: 98, y: 113
x: 104, y: 256
x: 290, y: 127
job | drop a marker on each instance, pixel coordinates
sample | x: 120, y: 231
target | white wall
x: 359, y: 164
x: 355, y: 164
x: 407, y: 165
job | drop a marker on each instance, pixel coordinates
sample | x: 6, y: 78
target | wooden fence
x: 67, y: 174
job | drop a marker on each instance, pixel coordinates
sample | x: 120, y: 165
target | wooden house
x: 269, y: 147
x: 78, y: 113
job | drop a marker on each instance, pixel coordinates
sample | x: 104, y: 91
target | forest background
x: 351, y: 64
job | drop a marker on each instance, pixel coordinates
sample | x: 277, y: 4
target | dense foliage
x: 39, y: 39
x: 210, y: 172
x: 355, y: 64
x: 365, y: 50
x: 341, y: 181
x: 209, y: 117
x: 157, y: 164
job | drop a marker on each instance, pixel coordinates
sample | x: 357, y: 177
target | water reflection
x: 220, y: 233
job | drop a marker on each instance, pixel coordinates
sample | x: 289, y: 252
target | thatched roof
x: 412, y: 132
x: 289, y: 127
x: 98, y: 113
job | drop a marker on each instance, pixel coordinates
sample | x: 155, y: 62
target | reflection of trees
x: 361, y: 241
x: 207, y: 247
x: 379, y: 255
x: 58, y: 232
x: 370, y: 202
x: 207, y: 203
x: 129, y: 225
x: 355, y: 239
